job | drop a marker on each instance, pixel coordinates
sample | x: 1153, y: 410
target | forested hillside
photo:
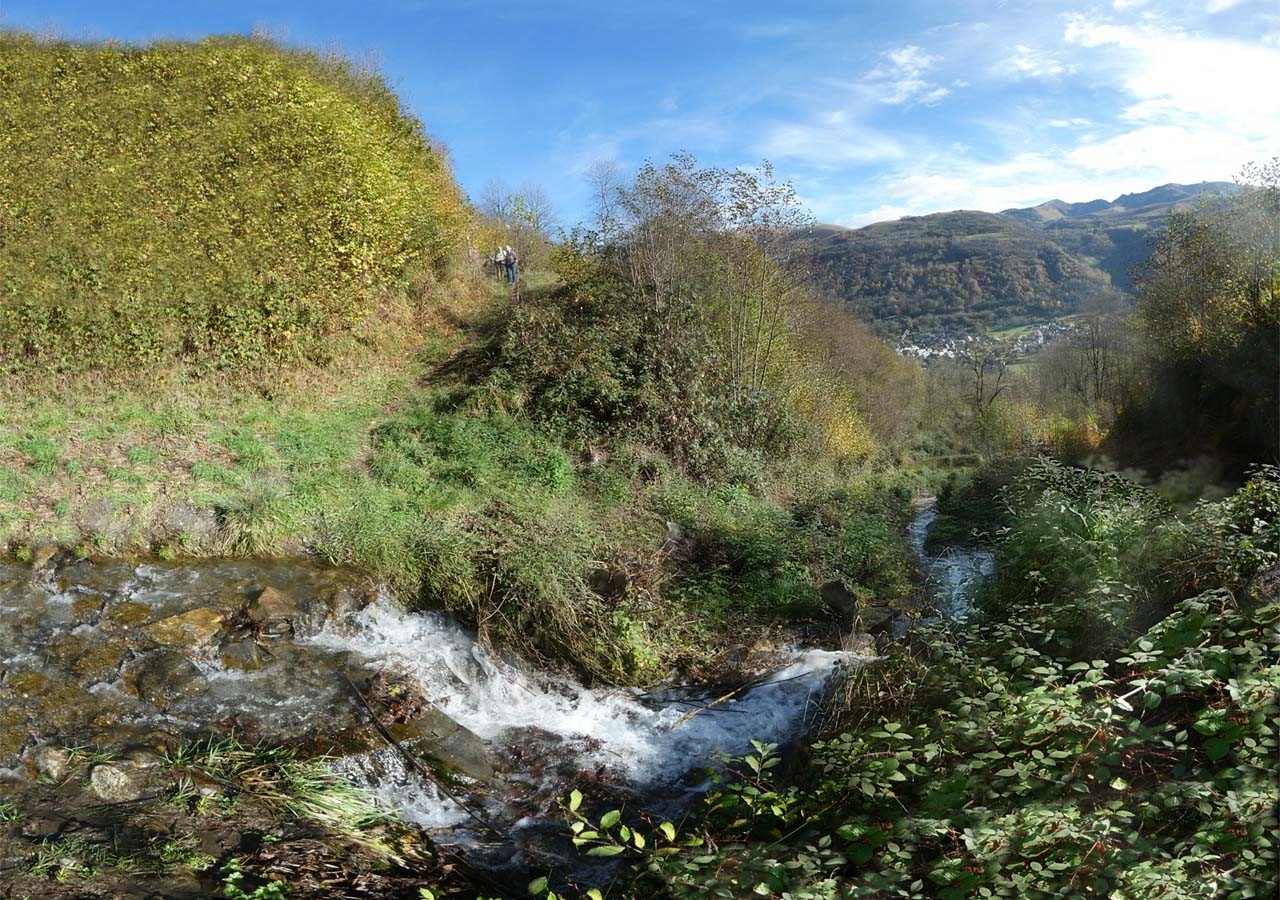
x: 972, y: 271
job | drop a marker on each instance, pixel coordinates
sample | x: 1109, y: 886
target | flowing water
x: 952, y: 573
x: 648, y: 743
x: 116, y: 652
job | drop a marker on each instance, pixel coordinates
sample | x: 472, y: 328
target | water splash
x: 649, y: 742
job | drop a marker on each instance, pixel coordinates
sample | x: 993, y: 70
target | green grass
x: 55, y: 470
x: 296, y: 789
x: 436, y: 489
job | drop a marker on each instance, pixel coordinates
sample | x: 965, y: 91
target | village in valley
x: 1022, y: 341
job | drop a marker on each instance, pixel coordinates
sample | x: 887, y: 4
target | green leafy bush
x: 1102, y: 558
x: 997, y: 766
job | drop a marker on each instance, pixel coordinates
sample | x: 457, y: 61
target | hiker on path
x: 499, y: 262
x: 511, y: 260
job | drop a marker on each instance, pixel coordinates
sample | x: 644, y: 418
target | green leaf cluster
x: 1025, y: 768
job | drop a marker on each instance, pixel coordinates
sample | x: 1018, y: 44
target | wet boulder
x: 46, y: 560
x: 195, y: 629
x: 856, y: 608
x: 163, y: 677
x: 278, y: 614
x: 840, y: 599
x: 243, y: 655
x: 875, y: 619
x: 442, y: 740
x: 434, y: 738
x: 343, y: 603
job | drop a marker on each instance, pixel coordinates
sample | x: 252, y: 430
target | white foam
x: 648, y: 743
x: 385, y: 774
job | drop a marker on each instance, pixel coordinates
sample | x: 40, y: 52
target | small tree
x: 987, y: 365
x: 1209, y: 302
x: 604, y: 177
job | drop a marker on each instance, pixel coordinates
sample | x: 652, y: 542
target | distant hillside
x: 970, y: 271
x: 226, y: 203
x: 1155, y: 203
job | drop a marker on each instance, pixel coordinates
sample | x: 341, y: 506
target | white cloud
x: 1193, y: 108
x: 1084, y: 106
x: 1027, y: 62
x: 884, y: 213
x: 1025, y: 179
x: 1189, y: 80
x: 900, y: 78
x: 1170, y: 152
x: 1217, y: 6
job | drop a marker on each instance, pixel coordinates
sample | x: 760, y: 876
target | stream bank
x: 112, y: 671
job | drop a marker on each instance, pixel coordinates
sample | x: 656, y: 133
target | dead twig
x: 416, y: 764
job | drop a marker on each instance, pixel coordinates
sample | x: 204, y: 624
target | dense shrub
x: 227, y: 202
x: 986, y: 763
x: 1101, y: 558
x: 483, y: 513
x: 592, y: 361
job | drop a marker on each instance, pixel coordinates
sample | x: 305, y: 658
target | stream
x: 117, y: 653
x: 951, y: 573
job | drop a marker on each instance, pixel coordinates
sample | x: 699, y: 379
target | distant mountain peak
x: 972, y: 271
x: 1156, y: 201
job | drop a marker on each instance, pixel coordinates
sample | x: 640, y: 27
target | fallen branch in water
x: 416, y: 763
x: 693, y: 712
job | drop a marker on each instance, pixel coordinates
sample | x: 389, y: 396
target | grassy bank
x: 619, y: 564
x: 167, y: 463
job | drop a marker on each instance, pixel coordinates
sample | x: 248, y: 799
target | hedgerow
x: 228, y: 203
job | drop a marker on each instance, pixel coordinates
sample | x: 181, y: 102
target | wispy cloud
x: 900, y: 77
x: 1028, y: 62
x: 829, y: 140
x: 774, y: 30
x: 1170, y: 104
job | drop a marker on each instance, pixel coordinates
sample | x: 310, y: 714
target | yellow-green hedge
x: 226, y: 203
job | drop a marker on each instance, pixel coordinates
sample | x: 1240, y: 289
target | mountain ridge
x: 970, y: 270
x: 1158, y: 200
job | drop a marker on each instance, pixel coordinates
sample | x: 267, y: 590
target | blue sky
x: 872, y: 109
